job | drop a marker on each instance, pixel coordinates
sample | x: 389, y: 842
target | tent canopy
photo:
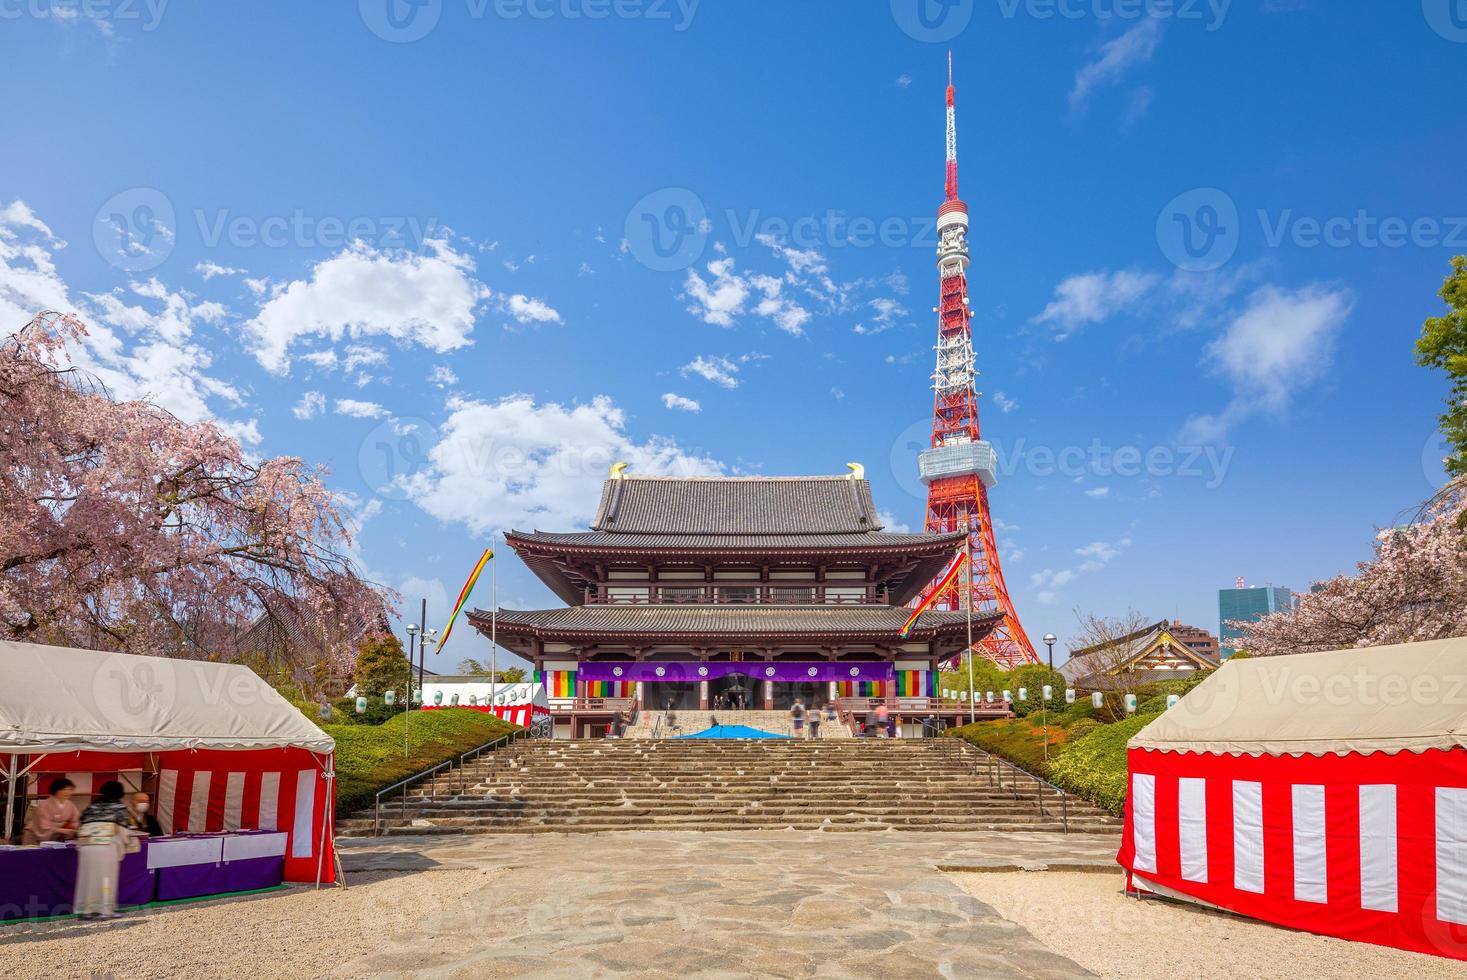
x: 1409, y: 697
x: 56, y: 699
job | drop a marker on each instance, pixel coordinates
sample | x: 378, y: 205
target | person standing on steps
x: 896, y: 726
x: 882, y: 715
x: 815, y: 723
x: 797, y: 717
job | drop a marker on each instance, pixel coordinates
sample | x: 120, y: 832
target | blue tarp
x: 732, y: 731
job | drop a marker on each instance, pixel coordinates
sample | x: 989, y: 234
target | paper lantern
x: 1097, y: 700
x: 361, y: 706
x: 1130, y: 704
x: 437, y: 697
x: 389, y: 697
x: 988, y: 696
x: 1048, y: 692
x: 325, y: 712
x: 1172, y: 699
x: 1069, y: 695
x: 453, y: 701
x: 417, y: 695
x: 1023, y: 694
x: 1008, y: 697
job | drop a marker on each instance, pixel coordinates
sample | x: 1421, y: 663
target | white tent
x: 56, y: 699
x: 229, y: 752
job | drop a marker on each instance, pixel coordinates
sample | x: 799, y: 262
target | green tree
x: 382, y: 666
x: 1443, y: 345
x: 509, y: 675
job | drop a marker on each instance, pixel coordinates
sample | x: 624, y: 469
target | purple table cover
x: 783, y: 671
x: 40, y: 881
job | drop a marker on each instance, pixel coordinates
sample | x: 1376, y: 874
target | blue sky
x: 469, y: 269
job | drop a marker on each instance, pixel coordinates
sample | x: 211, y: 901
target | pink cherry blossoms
x: 122, y: 527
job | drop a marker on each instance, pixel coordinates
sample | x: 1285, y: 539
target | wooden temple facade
x: 741, y: 591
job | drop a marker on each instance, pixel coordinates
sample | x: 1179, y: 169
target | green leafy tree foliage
x: 382, y: 666
x: 1443, y: 345
x: 509, y: 675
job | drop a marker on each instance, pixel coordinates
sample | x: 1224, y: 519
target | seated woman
x: 54, y: 818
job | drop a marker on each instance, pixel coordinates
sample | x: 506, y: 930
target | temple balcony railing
x: 739, y: 595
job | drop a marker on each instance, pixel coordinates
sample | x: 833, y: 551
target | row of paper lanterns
x: 1097, y: 699
x: 389, y: 698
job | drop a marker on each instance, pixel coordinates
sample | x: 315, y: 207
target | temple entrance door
x: 810, y: 693
x: 734, y: 693
x: 680, y: 695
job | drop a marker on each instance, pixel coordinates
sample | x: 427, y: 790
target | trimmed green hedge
x: 372, y: 757
x: 1094, y: 767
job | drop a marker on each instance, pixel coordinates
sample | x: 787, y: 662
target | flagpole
x: 493, y: 627
x: 968, y: 603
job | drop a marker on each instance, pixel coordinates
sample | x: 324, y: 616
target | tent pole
x: 327, y: 775
x: 10, y: 777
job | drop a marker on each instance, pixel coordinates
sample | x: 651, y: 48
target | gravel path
x: 1086, y: 918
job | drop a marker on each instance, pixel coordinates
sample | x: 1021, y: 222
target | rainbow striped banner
x: 914, y: 683
x: 944, y: 582
x: 558, y: 683
x: 860, y: 689
x: 610, y: 689
x: 463, y: 597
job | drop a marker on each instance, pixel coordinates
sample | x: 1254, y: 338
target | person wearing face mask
x: 140, y: 816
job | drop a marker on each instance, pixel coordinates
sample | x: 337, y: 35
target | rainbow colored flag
x: 860, y: 689
x: 610, y: 689
x: 463, y: 597
x: 949, y: 575
x: 914, y: 683
x: 558, y: 683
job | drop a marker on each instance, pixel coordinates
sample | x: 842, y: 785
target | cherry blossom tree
x: 122, y: 527
x: 1415, y: 588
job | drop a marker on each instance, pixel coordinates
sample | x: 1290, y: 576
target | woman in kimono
x: 101, y: 842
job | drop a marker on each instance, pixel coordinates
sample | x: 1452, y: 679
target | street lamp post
x: 1049, y: 641
x: 421, y: 633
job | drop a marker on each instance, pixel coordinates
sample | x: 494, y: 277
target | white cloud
x: 681, y: 404
x: 142, y: 340
x: 427, y: 299
x: 312, y: 403
x: 1098, y: 492
x: 1094, y: 297
x: 516, y: 463
x: 889, y: 522
x: 720, y: 370
x: 1005, y: 403
x: 1115, y: 58
x: 723, y: 299
x: 359, y: 409
x: 443, y: 376
x: 719, y: 301
x: 1282, y: 342
x: 527, y: 309
x: 904, y: 81
x: 211, y: 269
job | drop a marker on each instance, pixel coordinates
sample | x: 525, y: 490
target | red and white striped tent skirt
x: 210, y: 791
x: 1365, y: 847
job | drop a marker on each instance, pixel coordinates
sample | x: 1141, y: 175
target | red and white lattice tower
x: 959, y: 468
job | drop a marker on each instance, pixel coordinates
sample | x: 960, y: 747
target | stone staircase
x: 643, y: 784
x: 692, y: 722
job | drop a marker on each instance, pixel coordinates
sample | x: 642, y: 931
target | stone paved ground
x: 771, y: 903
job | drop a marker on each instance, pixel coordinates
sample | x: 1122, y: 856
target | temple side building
x: 751, y: 591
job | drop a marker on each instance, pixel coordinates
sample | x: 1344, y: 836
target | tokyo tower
x: 958, y: 469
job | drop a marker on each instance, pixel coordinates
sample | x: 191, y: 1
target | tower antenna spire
x: 952, y: 134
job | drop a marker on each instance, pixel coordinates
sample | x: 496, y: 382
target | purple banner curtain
x: 785, y: 671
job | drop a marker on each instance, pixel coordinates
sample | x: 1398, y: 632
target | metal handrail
x: 434, y: 771
x: 999, y: 764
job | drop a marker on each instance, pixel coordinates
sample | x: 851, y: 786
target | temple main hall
x: 695, y: 592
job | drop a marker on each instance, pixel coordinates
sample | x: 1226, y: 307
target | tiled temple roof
x: 616, y: 540
x: 877, y: 622
x: 737, y: 505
